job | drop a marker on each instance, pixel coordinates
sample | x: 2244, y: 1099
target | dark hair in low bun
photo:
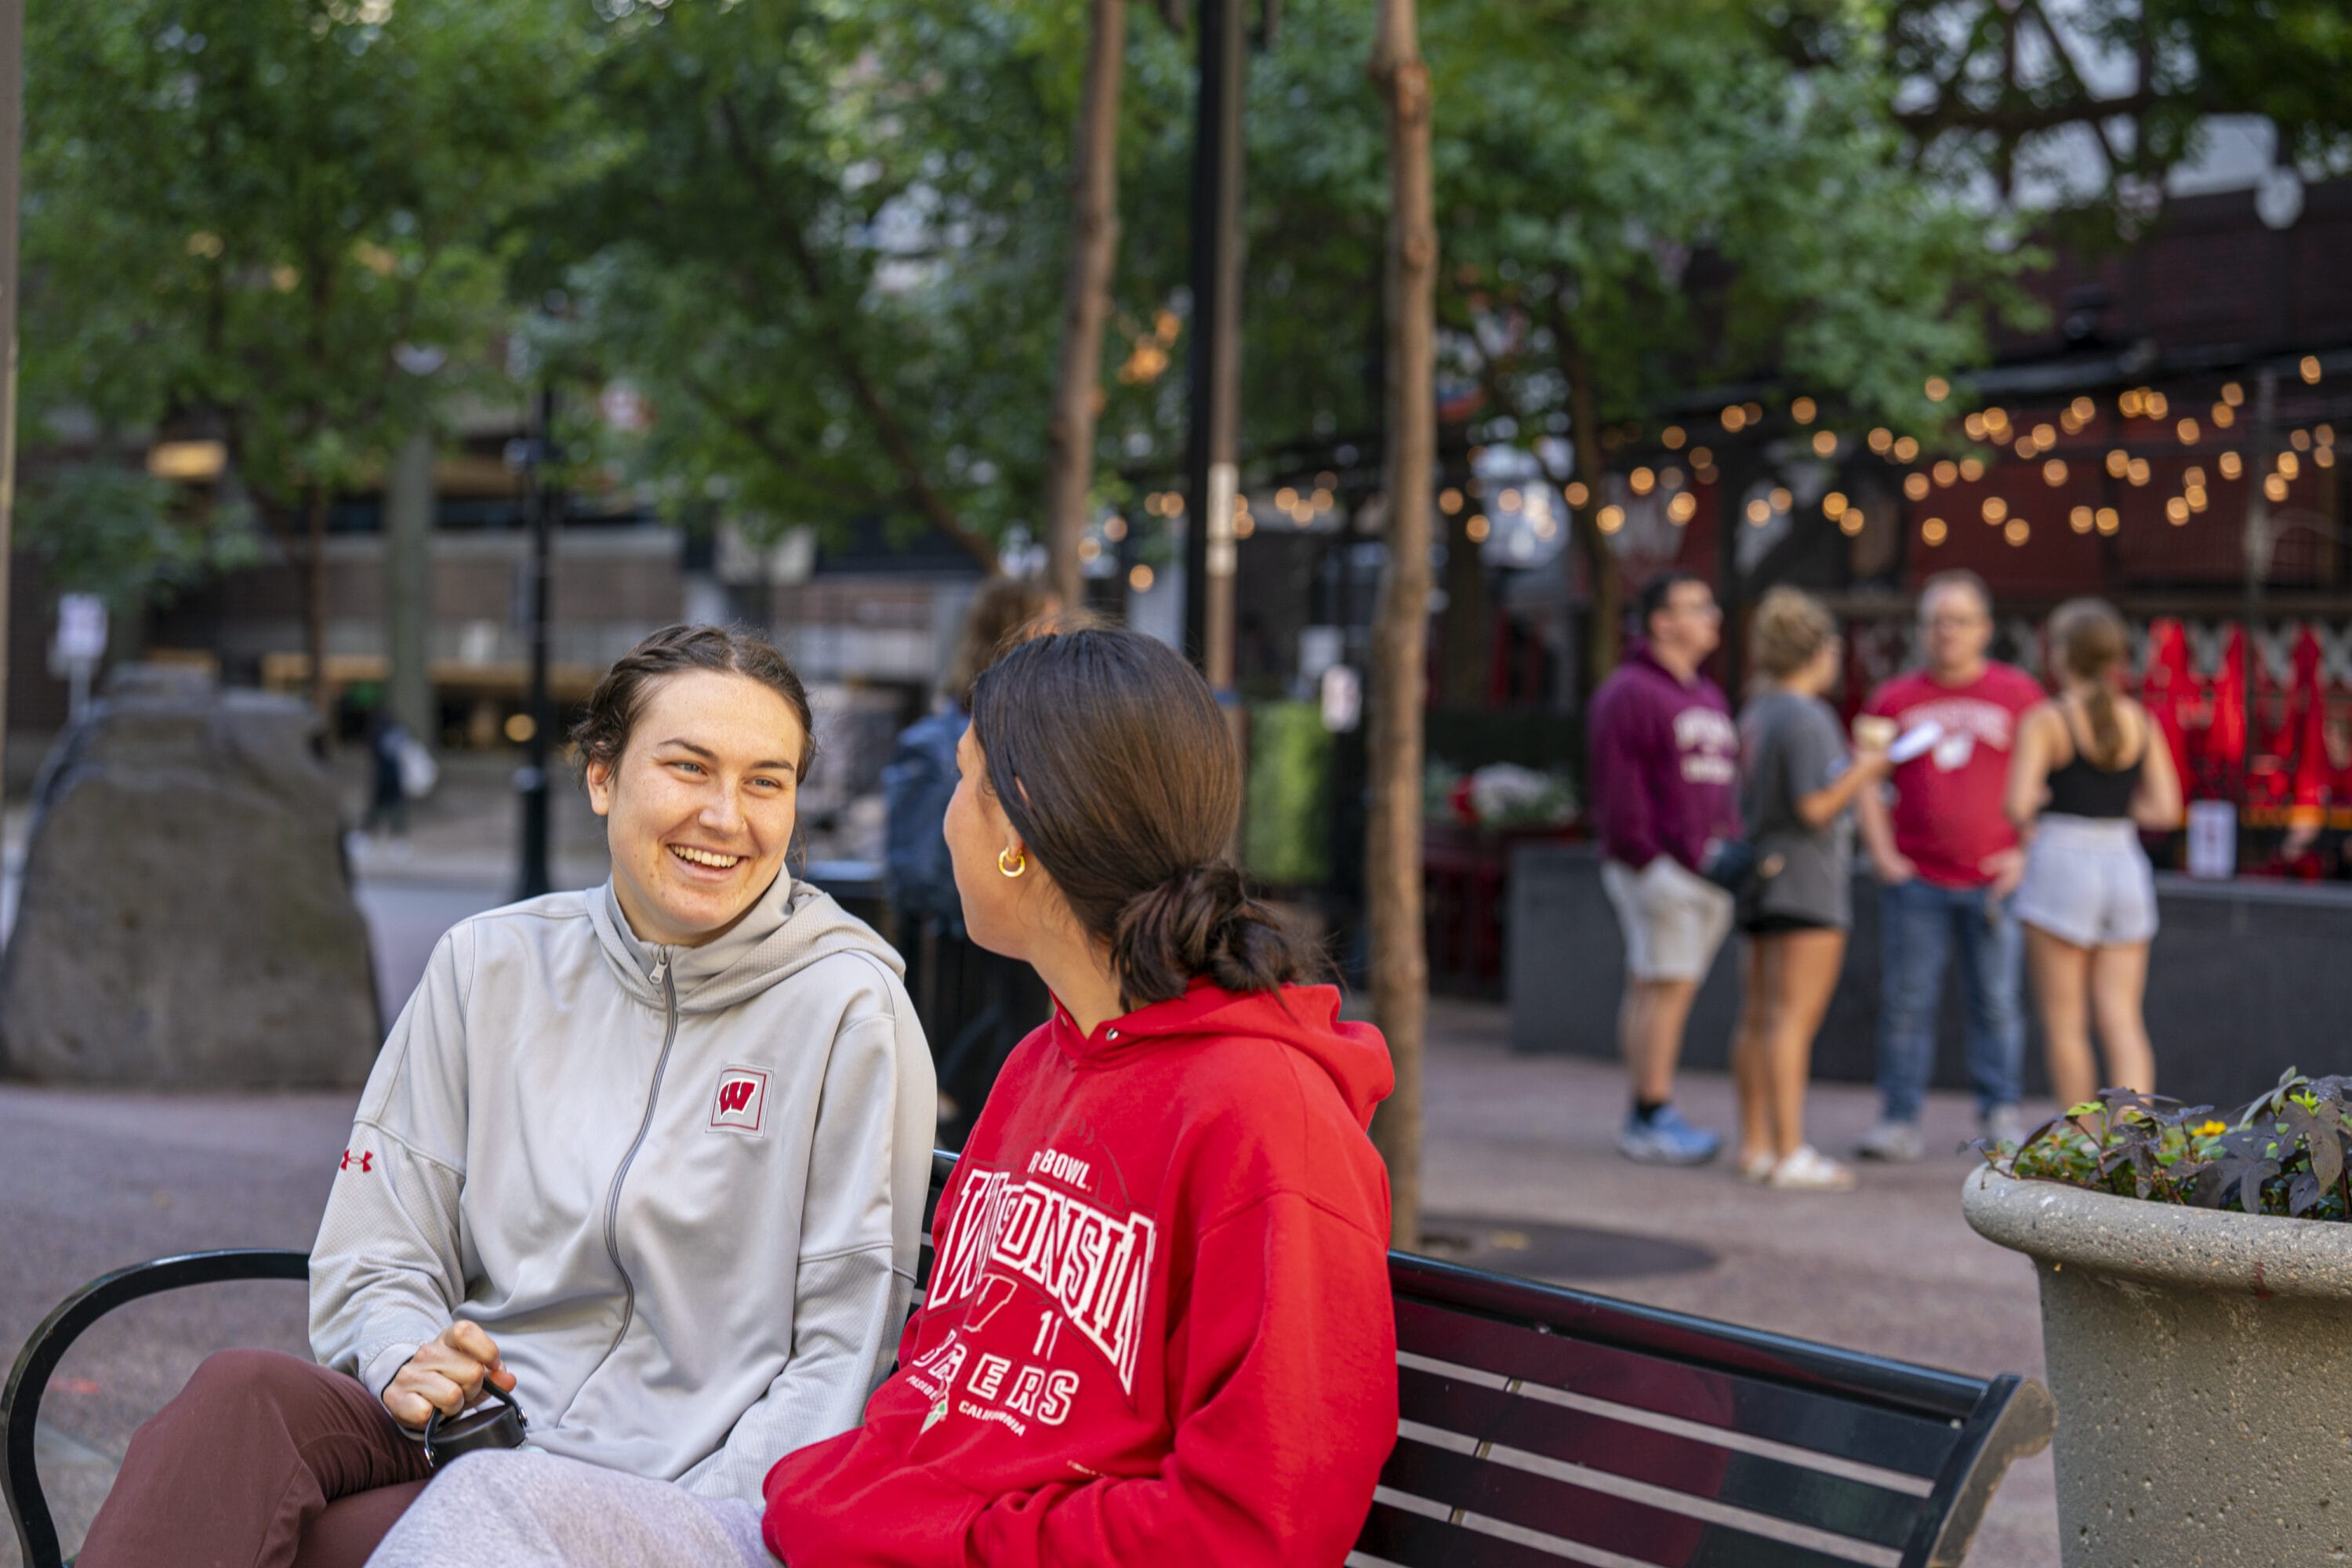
x: 1112, y: 760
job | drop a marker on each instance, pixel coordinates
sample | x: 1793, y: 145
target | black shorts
x: 1775, y: 925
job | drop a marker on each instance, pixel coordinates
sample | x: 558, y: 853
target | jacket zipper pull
x: 661, y: 967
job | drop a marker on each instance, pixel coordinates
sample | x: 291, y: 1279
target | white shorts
x: 2087, y: 882
x: 1673, y: 918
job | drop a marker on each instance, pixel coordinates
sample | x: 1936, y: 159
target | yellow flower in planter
x: 2212, y: 1129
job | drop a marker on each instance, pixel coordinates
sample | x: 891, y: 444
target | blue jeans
x: 1918, y: 923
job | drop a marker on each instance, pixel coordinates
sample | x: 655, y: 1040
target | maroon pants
x: 263, y: 1461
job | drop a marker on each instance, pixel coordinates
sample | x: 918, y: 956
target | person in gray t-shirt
x: 1797, y: 786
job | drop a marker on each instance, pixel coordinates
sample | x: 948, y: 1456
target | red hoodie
x: 1159, y: 1326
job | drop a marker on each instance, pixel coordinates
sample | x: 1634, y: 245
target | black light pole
x: 1211, y: 478
x: 541, y: 504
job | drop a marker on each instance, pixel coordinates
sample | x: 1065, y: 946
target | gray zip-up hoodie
x: 680, y: 1187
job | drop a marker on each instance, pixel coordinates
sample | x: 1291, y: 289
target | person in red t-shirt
x: 1947, y: 859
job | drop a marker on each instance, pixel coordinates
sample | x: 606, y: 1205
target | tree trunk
x: 1465, y: 650
x: 314, y: 611
x: 1392, y: 888
x: 1086, y: 300
x: 1604, y: 632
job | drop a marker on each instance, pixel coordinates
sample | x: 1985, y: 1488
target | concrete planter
x: 2202, y: 1363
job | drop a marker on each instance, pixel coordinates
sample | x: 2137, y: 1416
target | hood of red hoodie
x: 1302, y: 1018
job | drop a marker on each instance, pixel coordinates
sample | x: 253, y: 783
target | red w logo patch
x: 742, y: 1102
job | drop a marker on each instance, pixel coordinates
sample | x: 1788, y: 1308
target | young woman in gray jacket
x: 652, y: 1157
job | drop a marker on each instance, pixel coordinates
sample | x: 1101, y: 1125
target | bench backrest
x: 1538, y: 1425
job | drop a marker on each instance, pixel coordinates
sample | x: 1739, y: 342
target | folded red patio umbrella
x: 2167, y: 688
x: 2310, y: 722
x: 2225, y: 737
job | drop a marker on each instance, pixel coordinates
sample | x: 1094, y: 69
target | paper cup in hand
x: 1873, y: 733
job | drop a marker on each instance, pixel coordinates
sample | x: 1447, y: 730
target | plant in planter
x: 2196, y: 1279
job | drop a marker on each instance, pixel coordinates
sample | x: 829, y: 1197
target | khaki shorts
x: 1673, y: 918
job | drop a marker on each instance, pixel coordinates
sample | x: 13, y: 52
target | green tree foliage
x: 123, y: 535
x: 257, y: 218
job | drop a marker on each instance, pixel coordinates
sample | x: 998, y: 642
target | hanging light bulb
x: 1906, y: 448
x: 1933, y: 531
x: 2230, y: 465
x: 1824, y: 443
x: 1803, y: 410
x: 2017, y: 531
x: 2054, y: 472
x: 1972, y: 469
x: 1781, y: 499
x: 2109, y: 519
x: 1995, y: 508
x: 1674, y: 437
x: 1610, y: 519
x: 1937, y: 389
x: 2118, y: 463
x: 1915, y: 486
x: 2081, y: 519
x: 1947, y: 473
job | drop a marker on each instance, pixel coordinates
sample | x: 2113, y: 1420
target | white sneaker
x: 2003, y: 1126
x: 1756, y: 1166
x: 1897, y: 1142
x: 1810, y: 1169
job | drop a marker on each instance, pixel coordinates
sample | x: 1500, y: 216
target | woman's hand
x: 446, y: 1374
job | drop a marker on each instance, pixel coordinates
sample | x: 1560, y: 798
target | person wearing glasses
x: 1948, y: 861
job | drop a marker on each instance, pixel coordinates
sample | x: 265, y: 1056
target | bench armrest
x: 20, y: 1406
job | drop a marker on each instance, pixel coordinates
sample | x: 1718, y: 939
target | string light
x: 1139, y: 578
x: 2274, y: 487
x: 1995, y: 508
x: 1972, y: 469
x: 2288, y: 467
x: 2138, y: 471
x: 1946, y: 472
x: 2195, y: 496
x: 1701, y: 458
x: 1449, y: 500
x: 1674, y: 437
x: 1834, y: 505
x: 2310, y: 370
x: 2155, y: 404
x: 1734, y: 416
x: 1759, y: 511
x: 1915, y: 486
x: 2018, y: 532
x: 1996, y: 420
x: 1578, y: 494
x: 2054, y: 472
x: 1089, y: 549
x: 1976, y: 427
x: 1682, y: 509
x: 2232, y: 393
x: 2130, y: 402
x: 1509, y: 499
x: 1937, y: 389
x: 1285, y: 498
x: 2027, y: 446
x: 1754, y: 410
x: 1881, y: 440
x: 2045, y: 436
x: 1802, y: 411
x: 2176, y: 510
x: 1113, y: 528
x: 2083, y: 408
x: 2118, y: 463
x: 1933, y: 531
x: 2188, y: 432
x: 1781, y: 499
x: 1610, y: 519
x: 1671, y: 477
x: 1906, y: 448
x: 1641, y: 481
x: 1850, y: 524
x: 1477, y: 528
x: 2232, y: 465
x: 2300, y: 440
x: 2223, y: 415
x: 1243, y: 525
x: 2109, y: 519
x: 2080, y: 520
x: 1322, y: 498
x: 1824, y: 443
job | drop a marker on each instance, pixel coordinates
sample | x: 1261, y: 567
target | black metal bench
x: 1539, y: 1426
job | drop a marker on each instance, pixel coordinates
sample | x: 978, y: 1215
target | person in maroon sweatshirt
x: 1158, y: 1327
x: 1662, y: 760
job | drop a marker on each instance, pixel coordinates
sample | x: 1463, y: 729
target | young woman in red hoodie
x: 1158, y: 1327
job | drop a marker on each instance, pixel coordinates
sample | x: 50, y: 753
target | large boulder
x: 187, y: 919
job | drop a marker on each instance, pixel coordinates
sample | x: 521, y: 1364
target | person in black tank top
x: 2081, y: 787
x: 2088, y: 900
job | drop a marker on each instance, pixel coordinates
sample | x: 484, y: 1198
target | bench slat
x: 1649, y: 1524
x: 1822, y: 1420
x: 1790, y: 1492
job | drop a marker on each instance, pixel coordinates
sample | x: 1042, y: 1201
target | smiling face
x: 699, y: 808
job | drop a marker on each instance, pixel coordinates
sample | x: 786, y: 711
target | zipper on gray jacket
x: 613, y: 1198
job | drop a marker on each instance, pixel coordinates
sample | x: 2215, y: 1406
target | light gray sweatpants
x: 518, y: 1509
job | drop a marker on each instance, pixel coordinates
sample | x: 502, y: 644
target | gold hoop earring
x: 1018, y: 867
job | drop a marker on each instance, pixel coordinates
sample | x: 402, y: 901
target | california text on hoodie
x: 682, y: 1187
x: 1159, y: 1326
x: 1664, y: 763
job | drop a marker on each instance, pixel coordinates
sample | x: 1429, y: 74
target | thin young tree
x: 1400, y: 957
x: 1086, y: 301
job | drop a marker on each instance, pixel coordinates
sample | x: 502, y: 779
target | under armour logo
x: 367, y: 1160
x: 742, y: 1101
